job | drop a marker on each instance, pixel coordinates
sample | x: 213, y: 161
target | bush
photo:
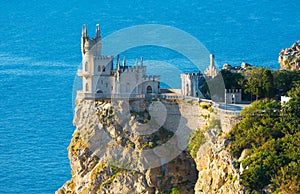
x: 272, y: 135
x: 175, y: 191
x: 197, y: 139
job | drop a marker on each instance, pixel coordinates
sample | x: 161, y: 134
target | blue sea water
x: 40, y: 53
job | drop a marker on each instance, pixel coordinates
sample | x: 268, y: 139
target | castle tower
x: 191, y: 84
x: 94, y: 65
x: 211, y: 71
x: 101, y: 81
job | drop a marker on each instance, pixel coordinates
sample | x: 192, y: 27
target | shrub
x: 197, y: 139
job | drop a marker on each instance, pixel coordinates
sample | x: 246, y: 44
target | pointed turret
x: 84, y: 31
x: 97, y: 31
x: 142, y: 63
x: 124, y: 63
x: 137, y: 64
x: 118, y: 64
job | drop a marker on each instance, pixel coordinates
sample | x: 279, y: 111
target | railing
x: 85, y: 95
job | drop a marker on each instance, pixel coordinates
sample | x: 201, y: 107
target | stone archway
x: 149, y: 89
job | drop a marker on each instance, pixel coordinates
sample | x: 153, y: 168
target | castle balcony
x: 81, y: 73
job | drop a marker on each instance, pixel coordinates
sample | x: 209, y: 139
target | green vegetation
x: 271, y: 132
x: 204, y: 105
x: 257, y: 82
x: 196, y: 141
x: 214, y: 123
x: 175, y: 191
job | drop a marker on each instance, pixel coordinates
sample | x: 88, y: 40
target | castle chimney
x: 212, y: 60
x: 84, y: 31
x: 97, y: 31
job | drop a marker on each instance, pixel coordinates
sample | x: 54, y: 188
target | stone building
x: 233, y: 96
x: 102, y: 80
x: 191, y: 84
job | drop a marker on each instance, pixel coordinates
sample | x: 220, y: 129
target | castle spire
x: 97, y: 30
x: 142, y: 63
x: 118, y: 63
x: 137, y: 63
x: 124, y: 62
x: 84, y: 31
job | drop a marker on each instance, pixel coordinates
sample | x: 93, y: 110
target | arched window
x: 87, y: 87
x: 86, y: 67
x: 149, y: 89
x: 99, y: 68
x: 103, y: 68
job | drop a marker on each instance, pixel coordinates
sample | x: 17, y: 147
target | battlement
x: 99, y: 58
x: 151, y: 78
x: 192, y: 75
x: 135, y: 69
x: 233, y: 90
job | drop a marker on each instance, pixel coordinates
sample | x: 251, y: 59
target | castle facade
x: 101, y: 79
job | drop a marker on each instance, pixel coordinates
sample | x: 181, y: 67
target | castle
x: 101, y: 80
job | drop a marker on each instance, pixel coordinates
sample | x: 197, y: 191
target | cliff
x: 124, y: 147
x: 216, y: 167
x: 289, y: 58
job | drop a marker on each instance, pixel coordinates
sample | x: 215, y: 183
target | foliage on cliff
x: 257, y: 82
x: 267, y: 141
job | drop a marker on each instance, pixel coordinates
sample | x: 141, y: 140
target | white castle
x: 100, y: 80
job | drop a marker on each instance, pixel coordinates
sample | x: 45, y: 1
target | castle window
x: 99, y: 68
x: 149, y: 89
x: 103, y: 68
x: 87, y: 87
x: 86, y: 68
x: 106, y: 85
x: 101, y: 82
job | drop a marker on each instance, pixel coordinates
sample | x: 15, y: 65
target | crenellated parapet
x: 151, y: 78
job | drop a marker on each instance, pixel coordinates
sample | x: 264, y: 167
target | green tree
x: 268, y: 83
x: 271, y: 133
x: 283, y: 80
x: 295, y: 91
x: 253, y: 81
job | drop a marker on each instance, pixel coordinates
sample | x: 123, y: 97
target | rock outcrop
x: 108, y: 155
x: 289, y: 58
x: 123, y: 147
x: 216, y: 167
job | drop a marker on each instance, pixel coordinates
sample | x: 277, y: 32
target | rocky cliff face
x: 217, y: 173
x: 108, y: 155
x: 289, y: 58
x: 123, y: 147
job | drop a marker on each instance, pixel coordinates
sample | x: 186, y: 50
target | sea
x: 40, y: 54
